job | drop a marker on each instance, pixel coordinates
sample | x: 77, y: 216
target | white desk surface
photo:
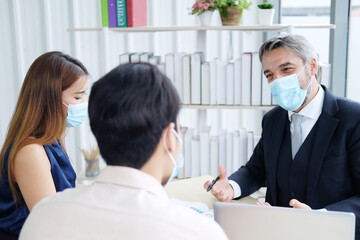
x: 192, y: 189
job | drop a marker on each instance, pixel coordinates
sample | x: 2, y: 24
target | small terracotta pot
x: 234, y: 16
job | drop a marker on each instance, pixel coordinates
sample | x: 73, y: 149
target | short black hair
x: 128, y: 109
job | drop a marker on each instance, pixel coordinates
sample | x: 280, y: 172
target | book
x: 146, y: 56
x: 195, y: 91
x: 213, y: 84
x: 237, y: 81
x: 104, y: 13
x: 246, y: 78
x: 205, y: 151
x: 214, y: 155
x: 136, y: 11
x: 255, y: 79
x: 112, y: 13
x: 161, y: 67
x: 154, y: 60
x: 188, y: 136
x: 243, y: 140
x: 222, y: 147
x: 135, y: 58
x: 125, y: 58
x: 205, y: 83
x: 229, y: 152
x: 221, y: 86
x: 195, y: 156
x: 236, y: 151
x: 250, y: 136
x: 229, y: 82
x: 178, y: 72
x: 121, y: 13
x: 181, y: 173
x: 169, y: 66
x: 265, y: 92
x: 186, y: 81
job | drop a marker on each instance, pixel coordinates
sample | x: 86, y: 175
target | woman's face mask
x: 76, y: 114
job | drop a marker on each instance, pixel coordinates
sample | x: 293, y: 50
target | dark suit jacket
x: 334, y: 168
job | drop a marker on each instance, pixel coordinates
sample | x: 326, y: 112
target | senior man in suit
x: 309, y: 152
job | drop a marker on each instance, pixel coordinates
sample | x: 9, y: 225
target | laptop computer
x: 243, y: 221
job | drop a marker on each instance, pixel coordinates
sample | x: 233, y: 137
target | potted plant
x: 266, y: 13
x: 204, y: 9
x: 231, y: 11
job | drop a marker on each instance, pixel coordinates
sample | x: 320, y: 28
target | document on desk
x: 199, y: 207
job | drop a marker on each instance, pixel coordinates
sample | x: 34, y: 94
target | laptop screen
x: 244, y: 221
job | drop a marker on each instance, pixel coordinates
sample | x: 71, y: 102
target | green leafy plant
x: 265, y: 6
x: 222, y: 5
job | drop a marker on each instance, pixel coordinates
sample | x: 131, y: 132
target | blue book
x: 121, y: 13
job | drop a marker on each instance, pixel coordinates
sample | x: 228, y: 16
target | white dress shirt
x: 311, y: 113
x: 123, y: 203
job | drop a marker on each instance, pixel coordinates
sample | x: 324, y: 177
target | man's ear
x: 313, y: 66
x: 170, y: 139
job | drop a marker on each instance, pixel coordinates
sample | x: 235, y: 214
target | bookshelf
x: 275, y: 27
x: 204, y: 107
x: 201, y: 37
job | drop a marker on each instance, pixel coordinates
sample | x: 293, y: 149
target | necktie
x: 296, y: 135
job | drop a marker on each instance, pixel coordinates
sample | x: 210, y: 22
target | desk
x: 192, y: 190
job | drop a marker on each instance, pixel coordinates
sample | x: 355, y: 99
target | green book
x: 121, y: 13
x: 104, y: 13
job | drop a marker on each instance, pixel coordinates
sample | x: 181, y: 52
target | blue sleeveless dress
x: 12, y: 217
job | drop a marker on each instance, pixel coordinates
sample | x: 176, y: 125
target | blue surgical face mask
x: 287, y: 92
x: 180, y: 163
x: 76, y: 114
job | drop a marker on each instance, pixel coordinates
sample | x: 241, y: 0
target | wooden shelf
x: 186, y: 106
x: 275, y: 27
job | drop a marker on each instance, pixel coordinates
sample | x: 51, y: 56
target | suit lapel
x: 326, y: 126
x: 274, y: 139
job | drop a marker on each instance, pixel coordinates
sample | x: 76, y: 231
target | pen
x: 212, y: 183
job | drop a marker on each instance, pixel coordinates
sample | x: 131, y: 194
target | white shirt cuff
x: 322, y: 210
x: 236, y: 187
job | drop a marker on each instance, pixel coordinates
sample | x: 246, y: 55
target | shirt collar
x: 132, y: 178
x: 314, y: 107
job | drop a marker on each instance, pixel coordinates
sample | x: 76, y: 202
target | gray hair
x: 295, y: 43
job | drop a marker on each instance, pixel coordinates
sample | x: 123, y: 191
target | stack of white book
x: 203, y: 153
x: 237, y: 82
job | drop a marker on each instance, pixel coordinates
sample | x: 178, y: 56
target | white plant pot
x: 266, y: 16
x: 205, y: 18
